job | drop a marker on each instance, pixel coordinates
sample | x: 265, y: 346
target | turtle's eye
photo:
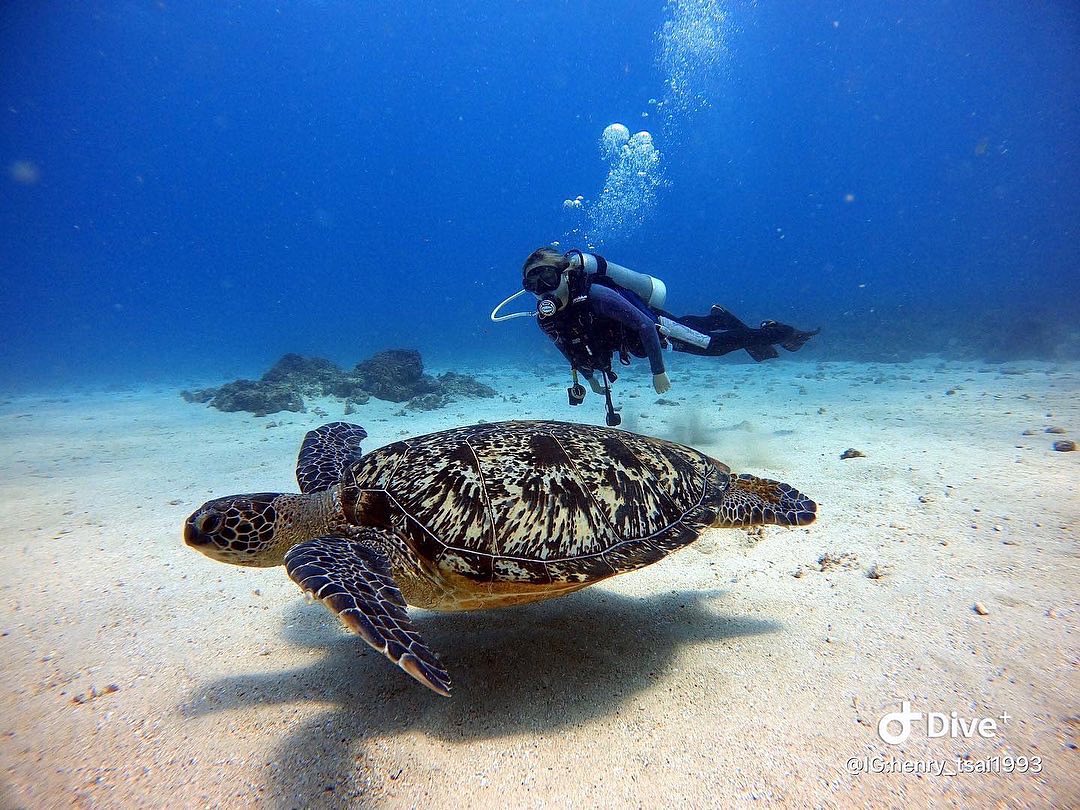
x: 208, y: 522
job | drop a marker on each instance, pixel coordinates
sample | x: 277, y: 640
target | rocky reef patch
x: 396, y: 375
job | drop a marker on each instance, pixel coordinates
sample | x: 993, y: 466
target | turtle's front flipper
x: 354, y: 581
x: 325, y: 453
x: 751, y: 501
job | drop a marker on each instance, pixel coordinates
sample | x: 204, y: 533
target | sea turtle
x: 479, y: 517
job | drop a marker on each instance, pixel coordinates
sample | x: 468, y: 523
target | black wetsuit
x: 728, y: 334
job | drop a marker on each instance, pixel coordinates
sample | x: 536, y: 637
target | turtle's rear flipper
x: 354, y: 581
x: 752, y: 501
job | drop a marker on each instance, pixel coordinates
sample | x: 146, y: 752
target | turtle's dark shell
x: 536, y: 502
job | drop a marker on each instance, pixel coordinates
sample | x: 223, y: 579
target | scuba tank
x: 648, y: 288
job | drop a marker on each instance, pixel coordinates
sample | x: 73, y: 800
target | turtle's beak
x: 192, y: 536
x: 201, y: 529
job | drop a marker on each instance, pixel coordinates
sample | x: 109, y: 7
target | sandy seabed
x: 942, y: 571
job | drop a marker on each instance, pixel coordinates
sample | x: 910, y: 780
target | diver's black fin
x: 725, y: 319
x: 762, y: 352
x: 799, y: 338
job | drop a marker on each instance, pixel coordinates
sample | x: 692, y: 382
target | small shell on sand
x: 851, y: 452
x: 1064, y: 445
x: 980, y: 608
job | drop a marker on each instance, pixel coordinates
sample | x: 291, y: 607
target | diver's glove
x: 660, y: 383
x: 596, y: 386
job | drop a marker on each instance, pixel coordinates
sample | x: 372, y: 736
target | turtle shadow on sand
x: 521, y: 670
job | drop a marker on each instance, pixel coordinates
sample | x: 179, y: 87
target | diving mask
x: 542, y: 279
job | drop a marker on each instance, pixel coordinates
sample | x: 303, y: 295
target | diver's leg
x: 717, y: 320
x: 729, y: 341
x: 758, y: 343
x: 728, y: 334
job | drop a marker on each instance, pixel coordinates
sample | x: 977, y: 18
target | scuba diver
x: 592, y: 308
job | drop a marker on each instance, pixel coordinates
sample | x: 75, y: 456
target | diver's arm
x: 610, y: 304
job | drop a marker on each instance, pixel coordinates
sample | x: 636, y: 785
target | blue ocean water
x: 190, y: 190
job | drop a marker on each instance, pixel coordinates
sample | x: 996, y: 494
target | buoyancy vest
x: 589, y: 340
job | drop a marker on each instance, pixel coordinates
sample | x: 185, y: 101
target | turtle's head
x: 241, y: 529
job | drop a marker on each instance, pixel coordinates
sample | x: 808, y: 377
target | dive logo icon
x: 904, y: 718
